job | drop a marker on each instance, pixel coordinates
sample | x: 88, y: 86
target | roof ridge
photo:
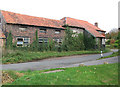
x: 29, y: 15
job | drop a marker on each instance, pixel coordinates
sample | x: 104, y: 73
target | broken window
x: 57, y: 31
x: 19, y: 41
x: 23, y: 41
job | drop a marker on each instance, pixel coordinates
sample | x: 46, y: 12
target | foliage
x: 113, y: 34
x: 114, y: 54
x: 18, y: 56
x: 89, y: 42
x: 119, y: 42
x: 51, y: 45
x: 9, y: 44
x: 112, y: 41
x: 79, y: 42
x: 72, y: 41
x: 42, y: 46
x: 84, y: 75
x: 35, y: 44
x: 68, y: 40
x: 108, y: 42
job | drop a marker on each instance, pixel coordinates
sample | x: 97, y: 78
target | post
x: 101, y: 54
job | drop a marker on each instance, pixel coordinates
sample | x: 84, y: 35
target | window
x: 43, y: 39
x: 57, y: 40
x: 19, y: 41
x: 42, y: 30
x: 23, y: 41
x: 26, y: 41
x: 57, y: 31
x: 74, y: 31
x: 22, y: 29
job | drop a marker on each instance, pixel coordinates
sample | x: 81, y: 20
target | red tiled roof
x: 16, y: 18
x: 84, y: 24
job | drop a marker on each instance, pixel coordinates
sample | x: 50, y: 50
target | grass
x: 114, y: 54
x: 27, y: 56
x: 106, y: 74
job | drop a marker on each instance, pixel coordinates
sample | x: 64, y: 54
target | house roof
x: 83, y: 24
x: 16, y: 18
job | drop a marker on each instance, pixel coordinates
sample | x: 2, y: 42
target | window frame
x: 43, y: 39
x: 23, y: 41
x: 41, y: 30
x: 57, y: 31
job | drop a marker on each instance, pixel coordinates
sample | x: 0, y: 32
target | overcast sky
x: 105, y: 12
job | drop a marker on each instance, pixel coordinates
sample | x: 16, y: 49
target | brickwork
x: 30, y: 32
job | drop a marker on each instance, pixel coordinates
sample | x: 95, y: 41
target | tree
x: 80, y: 42
x: 67, y: 44
x: 112, y: 34
x: 9, y: 43
x: 35, y: 44
x: 89, y: 42
x: 52, y: 45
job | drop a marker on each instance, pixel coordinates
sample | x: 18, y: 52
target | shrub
x: 108, y: 42
x: 112, y: 41
x: 89, y: 42
x: 35, y: 44
x: 9, y: 44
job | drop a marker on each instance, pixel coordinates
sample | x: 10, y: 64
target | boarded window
x: 57, y: 31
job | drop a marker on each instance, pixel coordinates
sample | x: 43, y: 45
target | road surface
x: 58, y: 62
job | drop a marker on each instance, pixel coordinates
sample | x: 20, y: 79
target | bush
x: 108, y: 42
x: 115, y: 45
x: 89, y: 42
x: 112, y: 41
x: 9, y: 44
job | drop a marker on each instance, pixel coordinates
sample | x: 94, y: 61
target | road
x: 58, y: 62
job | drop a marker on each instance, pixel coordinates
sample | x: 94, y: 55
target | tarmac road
x: 69, y: 61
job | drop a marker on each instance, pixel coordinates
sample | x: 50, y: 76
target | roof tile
x: 16, y: 18
x: 84, y: 24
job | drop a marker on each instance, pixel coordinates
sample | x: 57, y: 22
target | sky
x: 105, y: 12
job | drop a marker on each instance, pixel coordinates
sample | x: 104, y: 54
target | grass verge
x: 27, y: 56
x: 114, y: 54
x: 106, y: 74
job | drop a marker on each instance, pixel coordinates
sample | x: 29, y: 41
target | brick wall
x: 30, y: 32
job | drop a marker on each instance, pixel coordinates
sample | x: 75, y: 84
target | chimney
x: 96, y: 24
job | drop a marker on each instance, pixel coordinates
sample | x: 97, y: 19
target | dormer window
x: 57, y: 31
x: 42, y: 30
